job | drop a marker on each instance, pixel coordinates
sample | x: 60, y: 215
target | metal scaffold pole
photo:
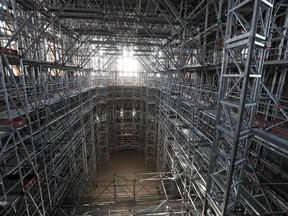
x: 245, y: 46
x: 198, y: 87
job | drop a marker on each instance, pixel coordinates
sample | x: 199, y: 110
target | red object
x: 9, y: 51
x: 260, y: 116
x: 16, y: 122
x: 281, y: 131
x: 30, y: 180
x: 259, y: 120
x: 277, y: 121
x: 259, y: 123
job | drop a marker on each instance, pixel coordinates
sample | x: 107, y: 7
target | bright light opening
x: 133, y: 112
x: 127, y: 64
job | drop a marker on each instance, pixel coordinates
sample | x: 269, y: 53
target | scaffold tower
x: 199, y: 87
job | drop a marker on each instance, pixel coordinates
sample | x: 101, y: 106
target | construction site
x: 143, y: 107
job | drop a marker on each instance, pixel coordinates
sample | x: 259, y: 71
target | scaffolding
x: 207, y: 105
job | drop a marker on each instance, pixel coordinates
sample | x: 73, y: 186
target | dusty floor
x: 126, y: 186
x: 125, y: 179
x: 125, y: 162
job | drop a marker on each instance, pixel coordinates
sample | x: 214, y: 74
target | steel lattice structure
x: 207, y: 105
